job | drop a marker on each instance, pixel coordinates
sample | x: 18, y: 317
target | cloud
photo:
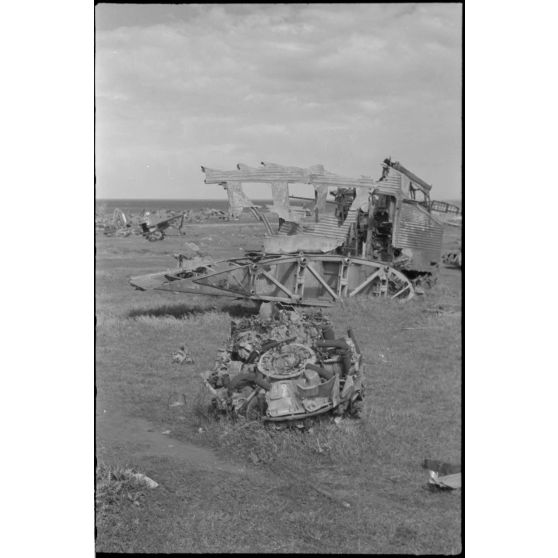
x: 343, y: 85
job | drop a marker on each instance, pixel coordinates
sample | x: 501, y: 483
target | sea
x: 135, y: 206
x: 131, y: 206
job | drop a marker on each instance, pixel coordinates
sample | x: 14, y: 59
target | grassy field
x: 356, y: 486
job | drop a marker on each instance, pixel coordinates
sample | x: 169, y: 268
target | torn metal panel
x: 328, y: 226
x: 321, y: 236
x: 390, y: 185
x: 443, y: 475
x: 284, y: 244
x: 419, y: 235
x: 361, y: 201
x: 450, y: 482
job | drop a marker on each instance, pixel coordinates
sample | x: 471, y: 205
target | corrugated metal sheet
x: 327, y: 226
x: 274, y: 173
x: 342, y: 181
x: 289, y: 228
x: 391, y: 184
x: 213, y: 176
x: 420, y: 233
x: 280, y: 244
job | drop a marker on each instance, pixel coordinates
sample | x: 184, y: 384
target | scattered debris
x: 176, y: 400
x: 120, y: 224
x: 443, y: 309
x: 182, y: 356
x: 144, y: 479
x: 124, y: 475
x: 285, y: 365
x: 452, y: 258
x: 117, y: 226
x: 442, y: 476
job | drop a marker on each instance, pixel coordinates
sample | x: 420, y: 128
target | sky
x: 343, y: 85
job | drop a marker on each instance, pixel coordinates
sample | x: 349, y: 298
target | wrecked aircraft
x: 118, y: 226
x: 381, y: 239
x: 156, y: 231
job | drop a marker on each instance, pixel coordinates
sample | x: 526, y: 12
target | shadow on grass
x: 238, y: 310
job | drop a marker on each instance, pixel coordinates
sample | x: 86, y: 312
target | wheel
x: 397, y: 286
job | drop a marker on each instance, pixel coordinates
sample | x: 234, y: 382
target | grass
x: 412, y: 411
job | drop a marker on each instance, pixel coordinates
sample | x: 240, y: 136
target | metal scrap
x: 121, y: 224
x: 284, y: 365
x: 117, y: 226
x: 182, y: 356
x: 452, y: 258
x: 442, y: 476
